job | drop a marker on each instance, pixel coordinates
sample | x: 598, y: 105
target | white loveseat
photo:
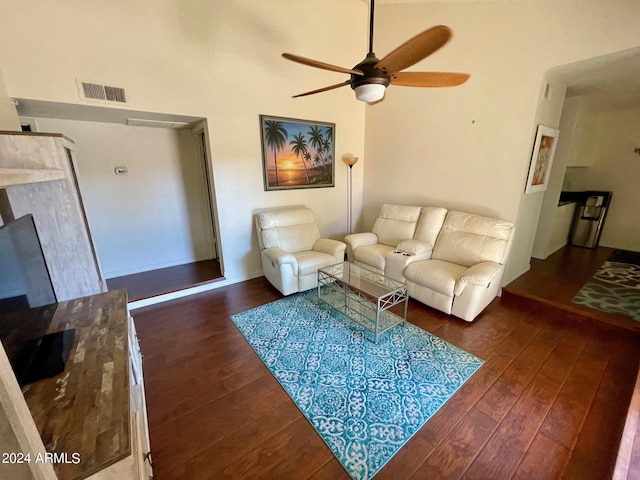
x: 452, y: 261
x: 292, y: 250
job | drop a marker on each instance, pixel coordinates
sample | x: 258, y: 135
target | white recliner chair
x: 465, y: 270
x: 292, y: 250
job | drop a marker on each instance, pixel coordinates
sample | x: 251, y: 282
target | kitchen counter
x: 567, y: 196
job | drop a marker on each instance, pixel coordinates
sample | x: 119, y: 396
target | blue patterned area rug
x: 365, y: 400
x: 615, y: 287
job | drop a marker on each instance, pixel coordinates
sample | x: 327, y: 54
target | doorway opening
x: 147, y: 185
x: 597, y: 116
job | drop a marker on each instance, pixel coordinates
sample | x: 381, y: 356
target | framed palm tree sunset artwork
x: 297, y: 153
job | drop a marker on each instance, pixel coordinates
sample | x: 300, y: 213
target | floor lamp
x: 350, y: 160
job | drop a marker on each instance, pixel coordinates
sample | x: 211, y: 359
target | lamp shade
x: 370, y: 92
x: 349, y: 159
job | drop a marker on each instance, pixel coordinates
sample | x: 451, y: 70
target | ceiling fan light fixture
x: 370, y: 92
x: 370, y: 78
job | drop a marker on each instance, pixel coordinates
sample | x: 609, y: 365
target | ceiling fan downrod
x: 371, y: 8
x: 371, y: 86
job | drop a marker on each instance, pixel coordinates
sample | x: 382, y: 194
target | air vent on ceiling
x: 105, y: 93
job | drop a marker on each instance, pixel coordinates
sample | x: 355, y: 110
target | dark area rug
x: 615, y: 287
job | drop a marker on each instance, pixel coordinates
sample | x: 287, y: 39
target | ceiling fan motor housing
x: 371, y: 75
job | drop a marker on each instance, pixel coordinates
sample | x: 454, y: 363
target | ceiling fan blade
x: 414, y: 50
x: 331, y: 87
x: 429, y: 79
x: 317, y: 64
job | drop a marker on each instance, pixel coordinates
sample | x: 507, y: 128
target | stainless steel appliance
x: 589, y: 218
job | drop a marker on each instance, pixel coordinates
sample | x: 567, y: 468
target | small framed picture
x: 542, y: 159
x: 297, y: 153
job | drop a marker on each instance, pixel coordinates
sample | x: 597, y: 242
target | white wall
x: 8, y: 116
x: 616, y: 168
x: 218, y: 60
x: 150, y: 218
x: 469, y: 147
x: 542, y: 246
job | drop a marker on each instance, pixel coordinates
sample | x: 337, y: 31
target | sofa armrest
x: 356, y: 240
x: 332, y: 247
x: 480, y: 274
x: 407, y: 251
x: 277, y: 256
x: 416, y: 247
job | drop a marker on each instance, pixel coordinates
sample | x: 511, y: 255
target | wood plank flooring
x: 166, y: 280
x: 557, y: 279
x: 549, y: 402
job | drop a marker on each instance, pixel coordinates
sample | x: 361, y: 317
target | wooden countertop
x: 85, y: 409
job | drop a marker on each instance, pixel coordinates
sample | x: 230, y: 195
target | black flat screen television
x: 24, y: 276
x: 27, y: 305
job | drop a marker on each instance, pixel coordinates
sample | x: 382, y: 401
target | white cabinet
x: 561, y: 227
x: 136, y: 466
x: 141, y: 446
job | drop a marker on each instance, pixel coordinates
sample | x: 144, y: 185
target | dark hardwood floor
x: 166, y: 280
x: 557, y: 279
x: 549, y: 402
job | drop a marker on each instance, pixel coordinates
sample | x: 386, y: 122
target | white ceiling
x: 609, y: 82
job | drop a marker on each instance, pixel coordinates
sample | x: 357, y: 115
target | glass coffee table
x: 363, y: 295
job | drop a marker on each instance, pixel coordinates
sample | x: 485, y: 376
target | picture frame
x: 297, y: 153
x: 544, y: 150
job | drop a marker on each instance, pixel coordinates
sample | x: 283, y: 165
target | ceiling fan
x: 370, y: 78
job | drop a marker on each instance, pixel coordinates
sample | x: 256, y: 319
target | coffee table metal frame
x: 363, y: 295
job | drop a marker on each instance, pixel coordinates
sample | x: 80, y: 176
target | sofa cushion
x: 373, y: 255
x: 310, y: 261
x: 429, y: 225
x: 293, y: 230
x: 467, y: 239
x: 396, y: 223
x: 437, y: 275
